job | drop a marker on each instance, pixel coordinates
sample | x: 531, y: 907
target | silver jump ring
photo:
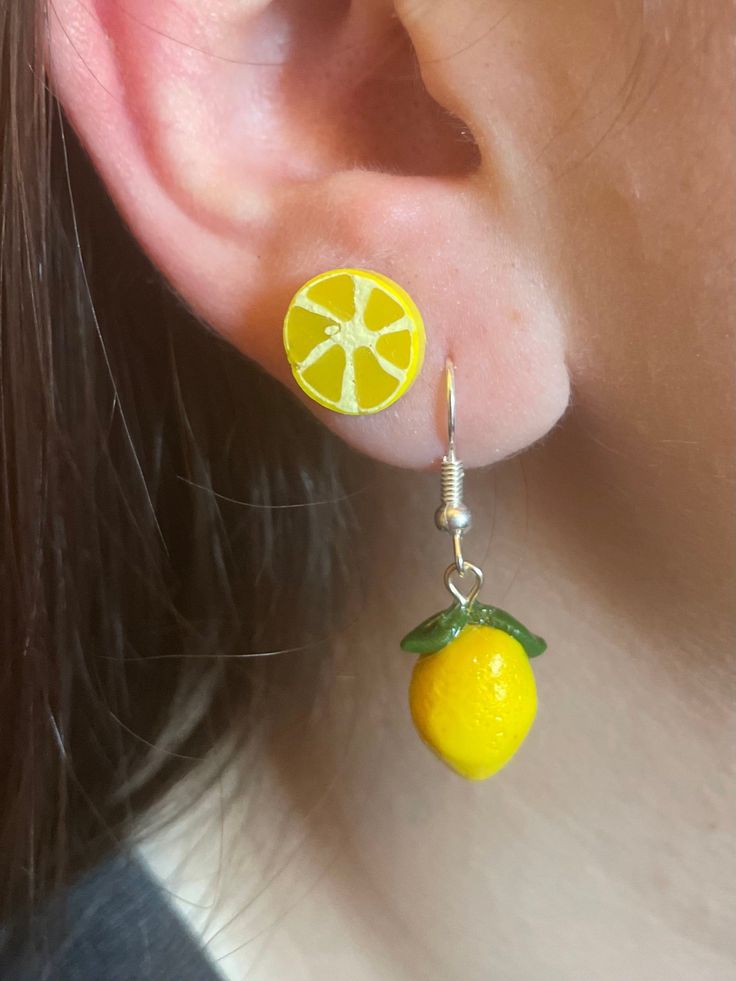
x: 459, y: 596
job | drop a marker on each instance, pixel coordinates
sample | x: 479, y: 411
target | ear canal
x: 354, y: 83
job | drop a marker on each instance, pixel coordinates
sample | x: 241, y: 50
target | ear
x: 252, y: 144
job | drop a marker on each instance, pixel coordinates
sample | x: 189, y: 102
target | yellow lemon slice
x: 354, y: 339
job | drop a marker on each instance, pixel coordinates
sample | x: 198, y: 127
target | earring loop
x: 462, y: 599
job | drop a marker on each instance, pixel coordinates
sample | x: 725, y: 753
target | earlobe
x: 253, y: 146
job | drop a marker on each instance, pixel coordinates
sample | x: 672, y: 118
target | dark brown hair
x: 155, y: 520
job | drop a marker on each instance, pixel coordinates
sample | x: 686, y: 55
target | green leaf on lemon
x: 437, y: 631
x: 492, y: 616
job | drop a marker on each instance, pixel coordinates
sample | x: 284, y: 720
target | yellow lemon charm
x: 472, y: 694
x: 474, y: 701
x: 354, y: 339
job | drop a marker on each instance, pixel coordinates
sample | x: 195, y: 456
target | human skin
x: 579, y: 271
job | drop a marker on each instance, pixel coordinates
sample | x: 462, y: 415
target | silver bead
x: 453, y: 518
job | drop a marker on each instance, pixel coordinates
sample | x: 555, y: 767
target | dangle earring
x: 472, y: 693
x: 355, y: 342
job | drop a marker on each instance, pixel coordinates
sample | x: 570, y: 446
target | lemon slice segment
x: 354, y: 339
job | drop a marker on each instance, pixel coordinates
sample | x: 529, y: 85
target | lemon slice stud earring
x: 472, y: 693
x: 354, y: 340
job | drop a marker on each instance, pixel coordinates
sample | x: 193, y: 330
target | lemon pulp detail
x: 474, y: 700
x: 354, y: 339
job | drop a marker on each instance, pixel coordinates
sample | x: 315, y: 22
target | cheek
x: 611, y: 138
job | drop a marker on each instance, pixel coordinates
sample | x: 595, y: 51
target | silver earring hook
x: 450, y: 385
x: 453, y: 515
